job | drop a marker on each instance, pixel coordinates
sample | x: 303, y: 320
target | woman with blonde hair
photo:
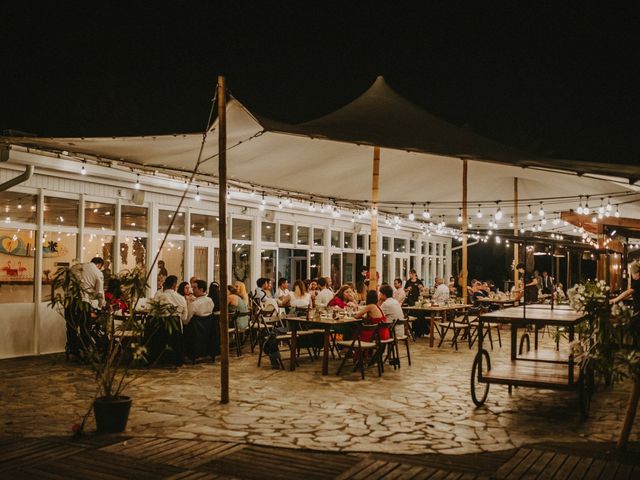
x: 241, y: 291
x: 300, y: 298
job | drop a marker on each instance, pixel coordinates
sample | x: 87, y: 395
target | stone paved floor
x: 418, y: 409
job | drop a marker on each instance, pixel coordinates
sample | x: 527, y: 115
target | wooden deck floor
x: 117, y: 457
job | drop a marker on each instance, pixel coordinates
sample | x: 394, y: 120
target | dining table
x: 326, y: 323
x: 433, y: 310
x: 500, y: 302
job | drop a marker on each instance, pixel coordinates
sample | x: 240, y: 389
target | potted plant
x: 112, y: 340
x: 609, y: 342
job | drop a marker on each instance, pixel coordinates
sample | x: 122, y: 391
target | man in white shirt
x: 326, y: 294
x: 391, y: 308
x: 284, y: 295
x: 442, y: 294
x: 398, y: 292
x: 90, y: 275
x: 170, y: 295
x: 202, y: 305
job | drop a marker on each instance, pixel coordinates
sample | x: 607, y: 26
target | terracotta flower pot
x: 111, y: 414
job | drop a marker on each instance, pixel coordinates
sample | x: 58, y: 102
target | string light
x: 83, y: 171
x: 470, y: 224
x: 586, y: 210
x: 280, y: 204
x: 511, y: 222
x: 529, y: 214
x: 289, y: 202
x: 580, y: 209
x: 479, y: 214
x: 312, y: 207
x: 263, y: 202
x: 617, y: 214
x: 459, y: 215
x: 412, y: 216
x: 137, y: 185
x: 601, y: 207
x: 197, y: 197
x: 608, y: 208
x: 426, y: 213
x: 498, y: 215
x: 541, y: 211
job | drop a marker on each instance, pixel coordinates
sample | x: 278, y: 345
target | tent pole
x: 465, y: 222
x: 516, y: 246
x: 222, y: 200
x: 375, y: 188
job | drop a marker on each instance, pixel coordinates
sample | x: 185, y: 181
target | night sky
x: 552, y: 77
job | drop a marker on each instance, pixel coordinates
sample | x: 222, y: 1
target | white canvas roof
x: 331, y: 157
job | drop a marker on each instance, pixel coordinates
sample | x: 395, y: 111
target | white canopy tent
x: 330, y: 159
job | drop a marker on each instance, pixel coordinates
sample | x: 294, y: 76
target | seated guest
x: 398, y: 292
x: 560, y: 295
x: 453, y: 290
x: 192, y: 282
x: 284, y: 295
x: 241, y: 291
x: 202, y: 305
x: 477, y: 291
x: 391, y: 308
x: 361, y: 292
x: 342, y: 298
x: 374, y: 315
x: 170, y: 295
x: 442, y: 294
x: 313, y: 290
x: 325, y: 295
x: 237, y: 305
x: 263, y: 293
x: 214, y: 294
x: 300, y: 299
x: 184, y: 289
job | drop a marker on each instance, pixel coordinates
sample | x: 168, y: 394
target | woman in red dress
x: 374, y: 315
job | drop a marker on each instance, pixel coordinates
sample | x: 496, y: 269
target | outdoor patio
x: 423, y: 408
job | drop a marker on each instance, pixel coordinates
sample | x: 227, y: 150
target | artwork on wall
x: 17, y: 250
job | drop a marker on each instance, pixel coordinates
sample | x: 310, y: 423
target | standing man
x: 413, y: 287
x: 547, y: 283
x: 78, y: 316
x: 634, y: 287
x: 530, y: 284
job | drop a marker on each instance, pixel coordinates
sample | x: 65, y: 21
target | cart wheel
x: 475, y: 378
x: 525, y: 336
x: 586, y: 386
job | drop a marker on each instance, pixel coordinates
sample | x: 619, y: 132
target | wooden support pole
x: 375, y: 188
x: 516, y: 223
x: 465, y: 225
x: 222, y: 200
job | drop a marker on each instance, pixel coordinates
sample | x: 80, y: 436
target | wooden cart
x: 531, y: 368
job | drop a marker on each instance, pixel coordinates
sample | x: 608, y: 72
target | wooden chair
x: 459, y: 324
x: 357, y: 348
x: 238, y: 334
x: 401, y: 337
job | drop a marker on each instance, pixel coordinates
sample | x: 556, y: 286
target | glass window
x: 241, y: 229
x: 100, y: 215
x: 348, y: 240
x: 423, y: 248
x: 18, y: 207
x: 318, y: 237
x: 386, y: 244
x: 437, y: 249
x: 286, y: 233
x: 133, y: 252
x: 58, y: 250
x: 430, y: 248
x: 336, y: 276
x: 171, y: 260
x: 268, y: 263
x: 134, y: 218
x: 164, y: 220
x: 241, y: 264
x: 335, y: 238
x: 412, y: 262
x: 61, y: 211
x: 315, y: 269
x: 386, y: 262
x: 348, y: 267
x: 412, y: 246
x: 399, y: 245
x: 268, y: 232
x: 303, y: 235
x: 96, y: 245
x: 361, y: 239
x: 204, y: 226
x: 17, y: 251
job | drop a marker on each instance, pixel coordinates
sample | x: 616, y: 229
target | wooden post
x: 465, y: 226
x: 222, y: 200
x: 516, y: 247
x: 375, y: 188
x: 568, y: 283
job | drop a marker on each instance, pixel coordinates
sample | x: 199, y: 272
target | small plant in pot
x: 112, y: 340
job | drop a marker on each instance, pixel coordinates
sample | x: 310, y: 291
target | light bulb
x: 498, y: 214
x: 426, y: 213
x: 412, y: 217
x: 608, y: 208
x: 479, y: 213
x: 541, y: 211
x: 197, y: 197
x: 459, y: 216
x: 83, y: 171
x: 280, y: 204
x: 312, y: 207
x: 529, y: 214
x: 137, y: 185
x: 511, y: 223
x: 617, y: 214
x: 261, y: 207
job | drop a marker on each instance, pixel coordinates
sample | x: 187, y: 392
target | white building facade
x: 61, y: 216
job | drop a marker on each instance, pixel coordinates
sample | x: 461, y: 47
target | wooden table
x: 326, y: 324
x: 433, y: 309
x: 535, y: 368
x: 502, y: 303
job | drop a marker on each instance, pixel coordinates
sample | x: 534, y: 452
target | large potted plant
x: 112, y: 340
x: 609, y: 342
